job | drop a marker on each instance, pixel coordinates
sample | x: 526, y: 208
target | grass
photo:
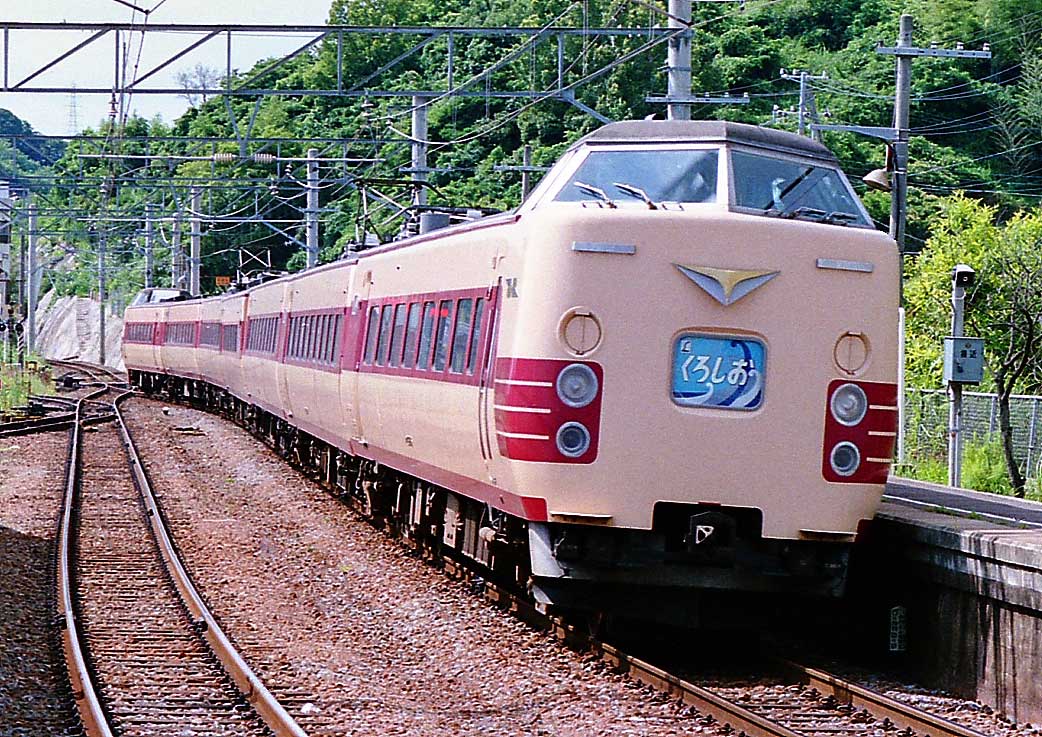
x: 16, y: 385
x: 983, y: 469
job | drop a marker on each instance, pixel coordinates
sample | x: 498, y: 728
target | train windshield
x: 663, y: 175
x: 794, y: 189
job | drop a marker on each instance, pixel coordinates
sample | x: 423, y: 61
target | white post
x: 311, y: 212
x: 419, y: 147
x: 955, y: 409
x: 196, y: 239
x: 31, y: 290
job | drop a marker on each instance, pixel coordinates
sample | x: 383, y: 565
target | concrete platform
x: 968, y: 569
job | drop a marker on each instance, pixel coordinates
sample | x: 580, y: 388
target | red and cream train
x: 670, y: 370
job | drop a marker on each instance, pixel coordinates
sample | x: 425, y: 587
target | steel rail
x: 723, y: 710
x: 92, y: 714
x: 901, y: 715
x: 251, y: 687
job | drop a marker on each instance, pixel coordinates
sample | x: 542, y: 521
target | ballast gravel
x: 354, y: 636
x: 34, y: 693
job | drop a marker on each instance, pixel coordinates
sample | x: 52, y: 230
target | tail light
x: 860, y: 431
x: 548, y: 410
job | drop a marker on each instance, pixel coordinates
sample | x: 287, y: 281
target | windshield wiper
x: 636, y: 192
x: 597, y: 192
x: 805, y: 212
x: 840, y: 218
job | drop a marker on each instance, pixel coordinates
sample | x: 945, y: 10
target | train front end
x: 697, y: 365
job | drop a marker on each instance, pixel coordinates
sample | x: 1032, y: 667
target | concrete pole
x: 31, y: 291
x: 526, y: 175
x: 802, y: 125
x: 176, y: 272
x: 101, y: 294
x: 311, y: 212
x: 148, y: 245
x: 955, y: 409
x: 419, y: 147
x: 196, y: 242
x: 902, y: 97
x: 678, y: 61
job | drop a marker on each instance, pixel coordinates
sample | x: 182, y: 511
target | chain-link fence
x: 926, y: 424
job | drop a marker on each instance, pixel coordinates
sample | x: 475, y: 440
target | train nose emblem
x: 726, y: 286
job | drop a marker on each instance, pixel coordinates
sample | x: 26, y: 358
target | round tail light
x: 848, y: 404
x: 845, y: 458
x: 577, y: 385
x: 573, y: 439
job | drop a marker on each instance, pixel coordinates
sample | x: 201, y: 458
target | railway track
x: 797, y: 701
x: 144, y: 654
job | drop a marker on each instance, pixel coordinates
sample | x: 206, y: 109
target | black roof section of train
x: 699, y: 131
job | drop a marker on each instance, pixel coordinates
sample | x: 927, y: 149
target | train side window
x: 461, y: 336
x: 475, y: 335
x: 334, y: 355
x: 384, y: 344
x: 371, y: 334
x: 423, y: 357
x: 441, y: 343
x: 398, y: 336
x: 409, y: 359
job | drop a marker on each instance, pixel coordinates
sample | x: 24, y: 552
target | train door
x: 358, y: 318
x: 281, y: 367
x: 486, y: 382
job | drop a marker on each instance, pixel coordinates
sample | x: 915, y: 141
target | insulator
x: 263, y: 158
x: 225, y: 157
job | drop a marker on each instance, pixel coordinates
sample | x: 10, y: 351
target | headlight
x: 845, y: 458
x: 849, y: 404
x: 573, y: 439
x: 577, y: 385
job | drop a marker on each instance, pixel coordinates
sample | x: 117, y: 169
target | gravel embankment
x: 360, y: 638
x: 355, y: 636
x: 34, y: 694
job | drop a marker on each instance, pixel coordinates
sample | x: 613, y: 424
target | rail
x: 92, y: 711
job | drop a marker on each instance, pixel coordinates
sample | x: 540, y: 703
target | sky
x: 93, y: 66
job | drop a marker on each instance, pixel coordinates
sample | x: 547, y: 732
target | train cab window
x: 441, y: 343
x: 663, y: 174
x: 461, y: 336
x: 423, y: 357
x: 398, y: 336
x: 384, y: 344
x: 409, y: 359
x: 475, y: 335
x: 372, y: 333
x: 793, y: 189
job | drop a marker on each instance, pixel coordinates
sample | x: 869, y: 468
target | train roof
x: 692, y: 131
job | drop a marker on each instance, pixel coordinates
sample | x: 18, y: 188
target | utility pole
x: 31, y: 291
x: 905, y: 52
x: 311, y: 212
x: 148, y: 245
x: 196, y: 242
x: 679, y: 97
x: 419, y: 148
x: 526, y: 170
x: 102, y: 236
x: 808, y: 108
x: 176, y: 270
x: 678, y: 61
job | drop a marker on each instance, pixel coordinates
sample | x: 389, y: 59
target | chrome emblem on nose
x: 726, y: 286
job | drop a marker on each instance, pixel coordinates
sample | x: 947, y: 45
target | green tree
x: 1004, y: 306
